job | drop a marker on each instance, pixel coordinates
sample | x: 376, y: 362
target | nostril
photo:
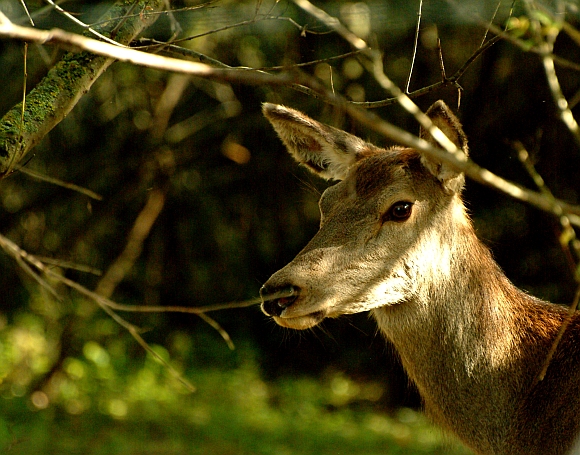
x: 276, y: 299
x: 278, y: 292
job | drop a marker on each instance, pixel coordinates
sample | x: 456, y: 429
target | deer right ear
x: 445, y: 120
x: 324, y: 150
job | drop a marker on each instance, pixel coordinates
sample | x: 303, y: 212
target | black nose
x: 275, y: 299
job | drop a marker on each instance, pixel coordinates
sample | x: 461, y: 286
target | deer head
x: 383, y: 226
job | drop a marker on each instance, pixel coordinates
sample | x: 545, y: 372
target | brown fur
x: 471, y: 341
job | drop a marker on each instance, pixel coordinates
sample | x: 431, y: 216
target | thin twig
x: 23, y: 3
x: 87, y: 27
x: 69, y: 265
x: 23, y: 259
x: 212, y: 322
x: 451, y: 80
x: 303, y: 29
x: 41, y: 281
x: 568, y: 236
x: 331, y: 80
x: 61, y: 183
x: 141, y: 228
x: 569, y: 315
x: 491, y: 22
x: 150, y: 43
x: 134, y: 332
x: 441, y: 61
x: 186, y: 309
x: 23, y: 111
x: 415, y: 45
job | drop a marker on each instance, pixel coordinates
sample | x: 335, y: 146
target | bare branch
x: 256, y: 18
x: 375, y: 66
x: 78, y: 42
x: 134, y: 332
x: 69, y: 265
x: 445, y: 82
x: 41, y: 281
x: 441, y: 62
x: 219, y: 329
x: 188, y: 309
x: 491, y: 22
x: 150, y: 44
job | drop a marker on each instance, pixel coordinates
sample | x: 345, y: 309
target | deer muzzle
x: 276, y: 300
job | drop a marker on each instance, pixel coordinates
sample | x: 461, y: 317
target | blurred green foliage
x: 103, y: 402
x: 237, y: 209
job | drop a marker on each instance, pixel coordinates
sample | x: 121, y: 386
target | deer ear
x: 324, y: 150
x: 445, y: 120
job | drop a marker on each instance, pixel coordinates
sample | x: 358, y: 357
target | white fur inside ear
x: 337, y: 161
x: 326, y: 151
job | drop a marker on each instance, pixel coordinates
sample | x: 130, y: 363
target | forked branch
x: 37, y: 270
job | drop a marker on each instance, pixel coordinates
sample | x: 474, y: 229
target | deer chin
x: 303, y: 322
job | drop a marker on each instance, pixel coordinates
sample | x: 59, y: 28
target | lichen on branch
x: 56, y: 95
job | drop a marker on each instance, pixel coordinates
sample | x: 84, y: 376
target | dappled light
x: 233, y: 409
x: 145, y: 201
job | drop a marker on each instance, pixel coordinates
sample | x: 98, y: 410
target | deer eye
x: 399, y: 211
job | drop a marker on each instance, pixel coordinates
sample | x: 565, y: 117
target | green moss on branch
x: 56, y: 95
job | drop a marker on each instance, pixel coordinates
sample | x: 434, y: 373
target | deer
x: 395, y: 239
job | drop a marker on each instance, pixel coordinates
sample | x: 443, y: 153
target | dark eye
x: 399, y: 211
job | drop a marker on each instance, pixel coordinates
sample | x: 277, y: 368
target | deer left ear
x: 324, y: 150
x: 442, y: 117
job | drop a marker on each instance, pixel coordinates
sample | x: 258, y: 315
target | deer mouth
x: 300, y: 322
x: 282, y: 304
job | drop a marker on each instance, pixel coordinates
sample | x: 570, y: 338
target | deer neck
x: 464, y: 341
